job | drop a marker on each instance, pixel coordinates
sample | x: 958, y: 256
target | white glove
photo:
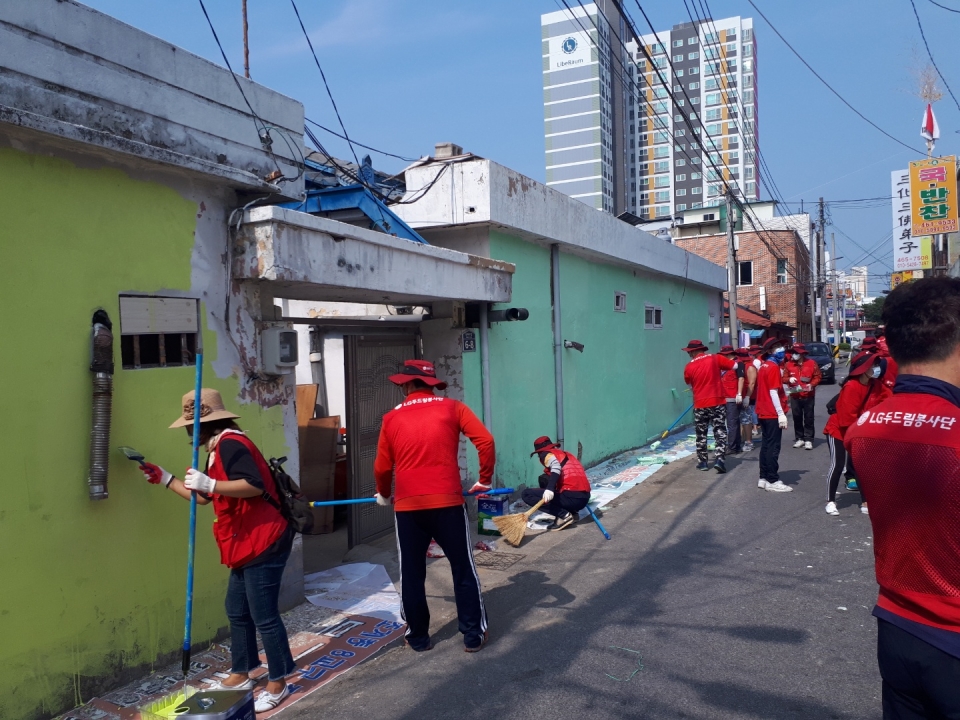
x: 793, y: 380
x: 478, y: 489
x: 548, y: 496
x: 782, y: 421
x: 739, y: 399
x: 381, y: 500
x: 196, y: 480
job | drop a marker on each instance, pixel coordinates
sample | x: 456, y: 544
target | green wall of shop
x: 91, y: 590
x: 626, y: 386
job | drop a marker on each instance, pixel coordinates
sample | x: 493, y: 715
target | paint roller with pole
x: 363, y: 501
x: 676, y: 422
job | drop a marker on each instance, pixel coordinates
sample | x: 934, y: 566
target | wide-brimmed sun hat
x: 695, y: 346
x: 726, y: 350
x: 211, y: 408
x: 542, y: 444
x: 800, y: 349
x: 861, y: 363
x: 418, y: 370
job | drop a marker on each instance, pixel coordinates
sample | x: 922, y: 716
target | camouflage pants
x: 703, y: 418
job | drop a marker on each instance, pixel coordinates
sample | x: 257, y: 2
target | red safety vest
x: 572, y: 475
x: 907, y: 455
x: 244, y: 527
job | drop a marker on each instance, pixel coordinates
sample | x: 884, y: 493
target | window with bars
x: 157, y: 332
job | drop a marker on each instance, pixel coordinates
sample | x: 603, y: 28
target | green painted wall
x: 92, y: 589
x: 618, y: 392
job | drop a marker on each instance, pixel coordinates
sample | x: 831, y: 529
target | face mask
x: 875, y: 372
x: 779, y: 354
x: 796, y: 357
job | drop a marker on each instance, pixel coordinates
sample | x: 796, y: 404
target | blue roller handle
x: 675, y: 422
x: 599, y: 524
x: 360, y: 501
x: 192, y: 538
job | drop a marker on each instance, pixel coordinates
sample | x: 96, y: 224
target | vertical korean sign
x: 909, y: 252
x: 933, y: 196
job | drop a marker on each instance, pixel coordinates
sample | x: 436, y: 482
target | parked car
x: 823, y: 356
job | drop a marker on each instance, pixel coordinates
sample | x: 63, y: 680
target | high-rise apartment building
x: 619, y: 139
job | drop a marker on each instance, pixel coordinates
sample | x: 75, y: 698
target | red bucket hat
x: 754, y: 349
x: 726, y: 350
x: 695, y: 346
x: 418, y: 370
x: 743, y: 353
x: 862, y: 363
x: 800, y: 349
x: 542, y: 444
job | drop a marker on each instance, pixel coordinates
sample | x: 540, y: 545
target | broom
x: 513, y: 526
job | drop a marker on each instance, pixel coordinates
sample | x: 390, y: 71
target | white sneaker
x: 268, y: 701
x: 863, y: 509
x: 808, y: 445
x: 247, y: 684
x: 747, y: 446
x: 763, y: 484
x: 832, y: 509
x: 778, y: 486
x: 798, y: 444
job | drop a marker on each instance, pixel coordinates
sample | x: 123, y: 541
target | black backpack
x: 292, y: 504
x: 832, y: 404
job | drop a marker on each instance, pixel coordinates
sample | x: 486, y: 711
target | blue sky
x: 407, y: 74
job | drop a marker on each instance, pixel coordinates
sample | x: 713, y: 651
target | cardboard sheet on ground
x: 356, y: 589
x: 320, y: 656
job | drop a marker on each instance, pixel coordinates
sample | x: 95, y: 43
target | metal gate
x: 370, y: 360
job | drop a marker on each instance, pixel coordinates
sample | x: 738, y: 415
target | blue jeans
x: 252, y: 604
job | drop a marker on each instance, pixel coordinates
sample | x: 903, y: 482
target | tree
x: 873, y: 310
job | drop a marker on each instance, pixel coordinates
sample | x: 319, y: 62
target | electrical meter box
x: 279, y: 349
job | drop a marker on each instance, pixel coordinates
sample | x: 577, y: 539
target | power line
x: 829, y: 87
x: 945, y: 7
x: 930, y: 54
x: 360, y: 144
x: 325, y: 84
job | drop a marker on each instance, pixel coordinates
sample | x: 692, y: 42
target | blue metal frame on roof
x: 356, y: 197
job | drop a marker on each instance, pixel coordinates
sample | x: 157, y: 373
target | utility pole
x: 813, y: 288
x: 732, y: 274
x: 843, y: 310
x: 822, y: 272
x: 836, y: 292
x: 246, y: 46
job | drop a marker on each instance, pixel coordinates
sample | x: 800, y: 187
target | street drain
x: 497, y: 560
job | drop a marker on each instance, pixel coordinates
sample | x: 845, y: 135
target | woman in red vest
x: 564, y: 487
x: 253, y: 537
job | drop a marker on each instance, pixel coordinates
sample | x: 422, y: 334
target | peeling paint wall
x: 93, y: 591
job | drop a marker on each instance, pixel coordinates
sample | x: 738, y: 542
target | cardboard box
x: 489, y: 507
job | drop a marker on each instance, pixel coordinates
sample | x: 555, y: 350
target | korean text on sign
x: 933, y: 196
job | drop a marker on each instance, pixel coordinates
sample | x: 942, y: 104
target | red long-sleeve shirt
x: 417, y: 452
x: 702, y: 373
x: 806, y: 373
x: 850, y: 404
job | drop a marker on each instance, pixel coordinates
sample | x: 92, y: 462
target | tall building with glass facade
x: 651, y: 155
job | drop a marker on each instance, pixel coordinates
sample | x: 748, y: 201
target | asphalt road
x: 737, y: 603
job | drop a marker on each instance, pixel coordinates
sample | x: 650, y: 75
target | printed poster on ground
x: 933, y: 196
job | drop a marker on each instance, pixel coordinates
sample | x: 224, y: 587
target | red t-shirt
x: 702, y: 373
x: 907, y: 455
x: 769, y: 378
x: 730, y: 380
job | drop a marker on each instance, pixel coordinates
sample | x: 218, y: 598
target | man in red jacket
x: 702, y: 373
x: 801, y: 376
x: 564, y: 487
x: 771, y: 401
x: 733, y: 383
x: 907, y: 454
x: 417, y: 470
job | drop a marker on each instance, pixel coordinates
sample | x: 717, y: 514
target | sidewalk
x: 328, y: 643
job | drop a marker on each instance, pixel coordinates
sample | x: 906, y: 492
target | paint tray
x: 164, y: 708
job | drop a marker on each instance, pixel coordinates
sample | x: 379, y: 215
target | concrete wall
x: 93, y: 591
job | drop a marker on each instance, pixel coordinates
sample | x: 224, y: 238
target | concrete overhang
x: 74, y: 74
x: 304, y: 257
x: 481, y: 193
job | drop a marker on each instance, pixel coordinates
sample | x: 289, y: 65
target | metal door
x: 370, y: 360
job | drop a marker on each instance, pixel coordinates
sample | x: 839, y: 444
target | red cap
x: 418, y: 370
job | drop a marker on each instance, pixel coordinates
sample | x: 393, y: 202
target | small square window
x: 619, y: 302
x: 781, y: 271
x: 745, y: 273
x: 652, y: 317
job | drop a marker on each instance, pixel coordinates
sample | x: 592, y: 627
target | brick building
x: 773, y: 262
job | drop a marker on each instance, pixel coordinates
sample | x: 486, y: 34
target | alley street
x: 741, y: 604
